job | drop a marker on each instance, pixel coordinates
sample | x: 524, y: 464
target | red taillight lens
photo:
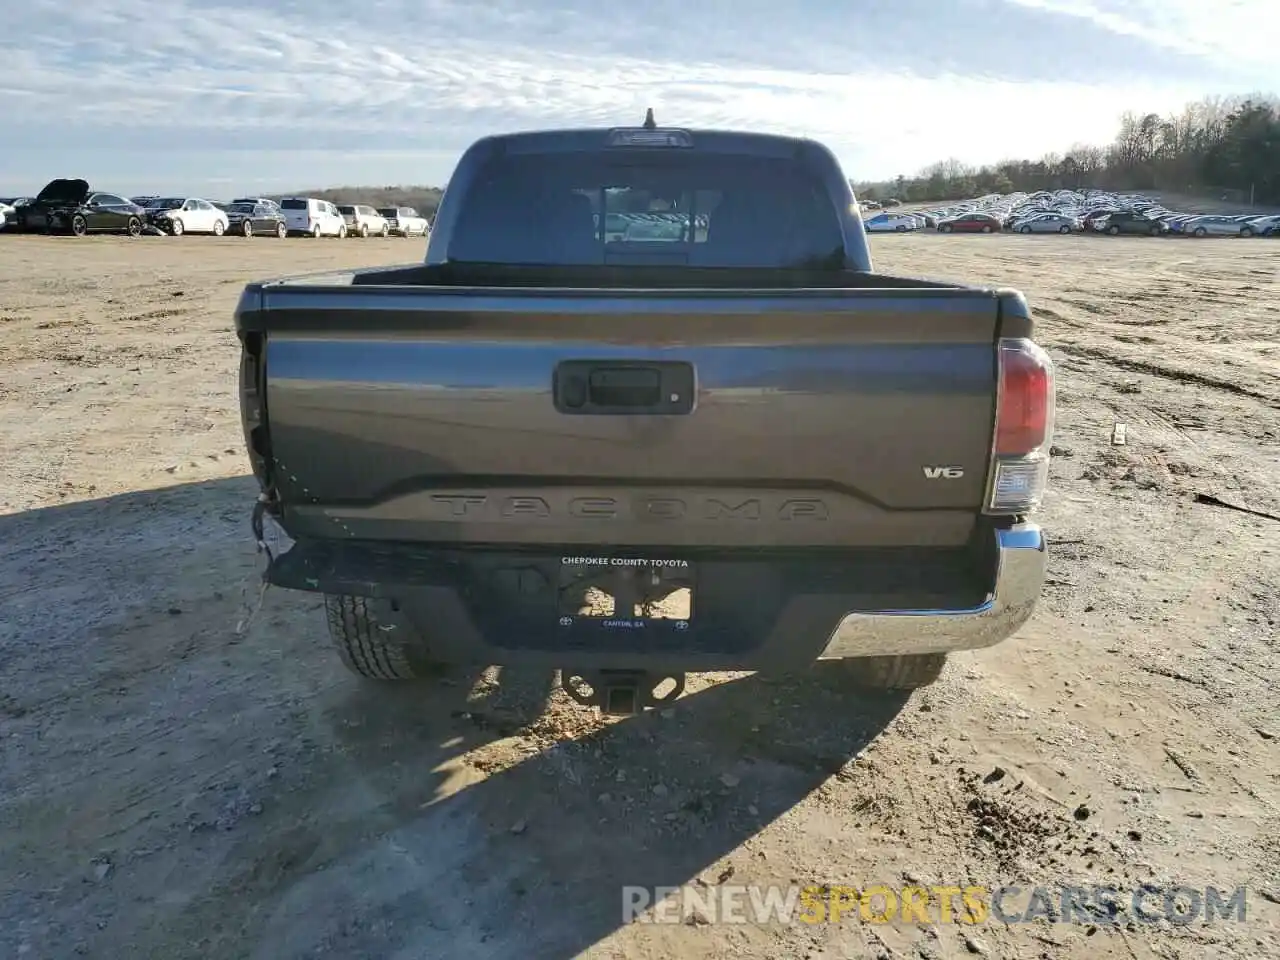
x: 1024, y: 412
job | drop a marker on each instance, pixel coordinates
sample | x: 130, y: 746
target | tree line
x: 1228, y: 147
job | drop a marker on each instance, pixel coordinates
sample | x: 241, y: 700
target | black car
x: 255, y: 218
x: 70, y: 206
x: 1130, y: 221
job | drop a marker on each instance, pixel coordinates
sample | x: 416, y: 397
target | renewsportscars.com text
x: 967, y: 904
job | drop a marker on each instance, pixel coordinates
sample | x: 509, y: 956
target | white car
x: 179, y: 215
x: 312, y: 217
x: 405, y: 221
x: 364, y: 221
x: 892, y: 223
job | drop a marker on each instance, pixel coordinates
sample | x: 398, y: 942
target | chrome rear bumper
x: 1020, y: 576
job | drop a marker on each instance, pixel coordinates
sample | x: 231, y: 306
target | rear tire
x: 370, y: 645
x: 364, y: 231
x: 282, y: 231
x: 315, y: 232
x: 342, y: 232
x: 986, y: 229
x: 944, y: 228
x: 895, y: 673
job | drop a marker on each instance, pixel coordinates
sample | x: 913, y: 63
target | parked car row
x: 70, y: 206
x: 1070, y: 211
x: 1225, y: 226
x: 868, y: 205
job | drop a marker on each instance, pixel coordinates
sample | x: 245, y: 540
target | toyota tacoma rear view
x: 645, y: 409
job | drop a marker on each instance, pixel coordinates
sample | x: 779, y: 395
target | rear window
x: 388, y: 212
x: 347, y: 210
x: 681, y: 209
x: 293, y: 204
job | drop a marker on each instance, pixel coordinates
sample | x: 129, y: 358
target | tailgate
x: 649, y: 418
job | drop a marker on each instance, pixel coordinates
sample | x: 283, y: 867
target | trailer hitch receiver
x: 620, y: 692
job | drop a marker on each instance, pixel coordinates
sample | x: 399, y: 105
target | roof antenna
x: 649, y: 123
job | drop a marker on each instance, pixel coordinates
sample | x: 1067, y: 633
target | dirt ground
x: 172, y: 788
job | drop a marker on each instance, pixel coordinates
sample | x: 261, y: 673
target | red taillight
x: 1024, y: 411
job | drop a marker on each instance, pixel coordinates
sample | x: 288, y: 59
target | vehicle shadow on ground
x: 510, y: 822
x: 645, y: 801
x: 455, y: 817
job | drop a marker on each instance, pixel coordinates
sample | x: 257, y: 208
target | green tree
x: 1215, y: 143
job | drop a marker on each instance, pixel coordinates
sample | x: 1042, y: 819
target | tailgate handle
x: 624, y: 387
x: 620, y: 388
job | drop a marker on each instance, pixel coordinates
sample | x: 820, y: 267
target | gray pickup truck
x: 645, y: 409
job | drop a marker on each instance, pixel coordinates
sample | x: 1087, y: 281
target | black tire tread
x: 366, y: 649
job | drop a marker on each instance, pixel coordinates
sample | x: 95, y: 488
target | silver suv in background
x: 363, y: 220
x: 405, y: 221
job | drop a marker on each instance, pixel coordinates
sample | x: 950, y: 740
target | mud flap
x: 620, y: 692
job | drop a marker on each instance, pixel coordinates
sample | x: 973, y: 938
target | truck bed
x: 413, y: 405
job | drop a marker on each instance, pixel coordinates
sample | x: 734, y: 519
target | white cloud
x: 392, y: 91
x: 1242, y: 32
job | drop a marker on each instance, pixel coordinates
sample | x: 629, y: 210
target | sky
x: 220, y: 97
